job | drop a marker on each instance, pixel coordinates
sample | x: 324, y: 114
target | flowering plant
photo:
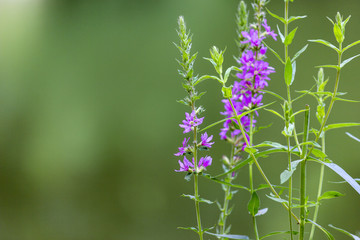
x: 242, y: 106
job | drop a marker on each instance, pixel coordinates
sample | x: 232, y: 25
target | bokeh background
x: 89, y: 119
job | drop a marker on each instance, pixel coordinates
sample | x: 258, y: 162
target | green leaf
x: 279, y: 200
x: 345, y: 232
x: 330, y: 195
x: 329, y: 66
x: 345, y: 100
x: 341, y: 172
x: 299, y: 52
x: 300, y: 111
x: 189, y: 228
x: 288, y: 72
x: 291, y: 19
x: 329, y: 236
x: 215, y: 123
x: 340, y: 125
x: 274, y: 94
x: 254, y: 204
x: 261, y: 212
x: 229, y: 236
x: 318, y: 153
x: 351, y: 45
x: 277, y: 233
x: 286, y: 174
x: 204, y: 77
x: 274, y: 112
x: 338, y: 34
x: 356, y: 179
x: 227, y: 73
x: 276, y: 16
x: 348, y: 60
x: 289, y: 38
x: 352, y: 136
x: 250, y: 149
x: 326, y: 43
x: 200, y: 199
x: 275, y: 53
x: 224, y: 182
x: 293, y: 72
x: 280, y: 34
x: 271, y: 144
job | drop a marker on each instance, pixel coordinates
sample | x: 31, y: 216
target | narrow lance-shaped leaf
x: 351, y: 45
x: 289, y: 38
x: 199, y: 200
x: 345, y: 100
x: 275, y: 53
x: 330, y: 195
x: 353, y: 137
x: 280, y: 34
x: 274, y: 112
x: 341, y: 172
x: 254, y: 204
x: 288, y: 72
x: 327, y: 233
x: 293, y: 72
x: 329, y: 66
x: 326, y: 43
x: 345, y: 232
x: 286, y: 174
x: 277, y: 233
x: 340, y: 125
x: 261, y: 212
x: 276, y: 16
x: 299, y: 52
x: 229, y: 236
x: 291, y: 19
x: 348, y: 60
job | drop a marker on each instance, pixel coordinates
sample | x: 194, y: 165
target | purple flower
x: 190, y: 122
x: 268, y: 30
x: 185, y: 165
x: 252, y: 37
x: 205, y: 140
x: 204, y: 162
x: 183, y: 149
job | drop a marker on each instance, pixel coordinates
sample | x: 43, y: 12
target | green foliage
x: 330, y: 195
x: 254, y: 204
x: 327, y: 233
x: 345, y: 232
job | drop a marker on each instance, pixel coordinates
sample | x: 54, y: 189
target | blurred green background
x: 89, y: 121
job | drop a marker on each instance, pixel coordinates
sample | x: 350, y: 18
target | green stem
x: 303, y: 174
x: 251, y: 173
x: 227, y: 197
x: 290, y: 190
x: 321, y: 180
x: 196, y: 188
x: 257, y: 163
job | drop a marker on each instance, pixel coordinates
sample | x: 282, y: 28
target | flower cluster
x: 191, y: 121
x: 254, y: 77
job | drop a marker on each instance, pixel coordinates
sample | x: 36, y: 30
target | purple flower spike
x: 205, y: 162
x: 185, y: 146
x: 268, y: 30
x: 205, y: 140
x: 185, y: 166
x: 190, y: 122
x: 252, y: 37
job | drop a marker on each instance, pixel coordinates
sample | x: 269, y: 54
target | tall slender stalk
x: 303, y: 174
x: 196, y: 187
x: 321, y: 180
x: 227, y: 196
x: 251, y: 174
